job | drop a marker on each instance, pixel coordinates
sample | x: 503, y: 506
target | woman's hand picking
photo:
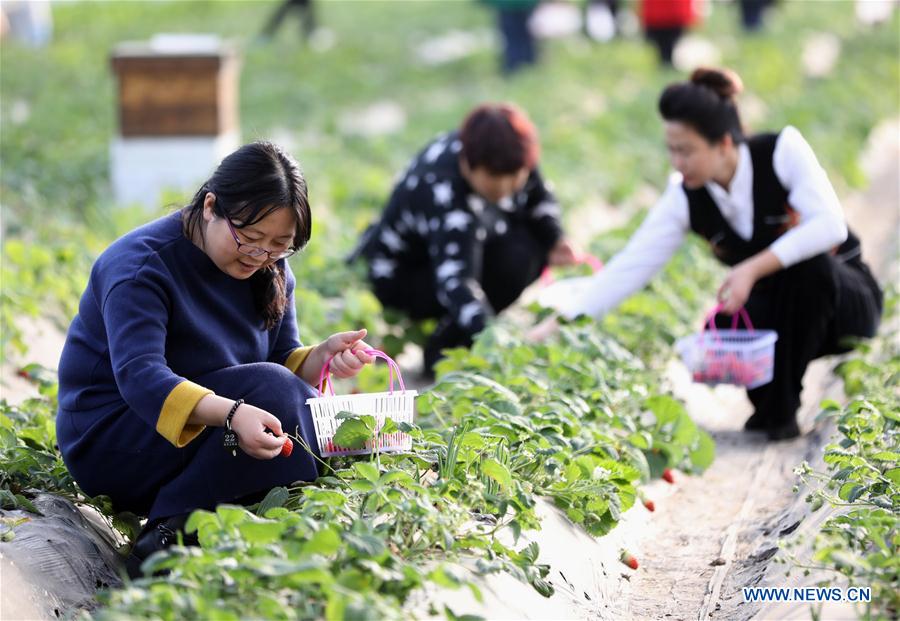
x: 348, y: 351
x: 250, y: 424
x: 563, y: 253
x: 542, y: 331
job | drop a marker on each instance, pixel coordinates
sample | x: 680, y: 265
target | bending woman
x: 187, y: 322
x: 768, y: 211
x: 468, y: 227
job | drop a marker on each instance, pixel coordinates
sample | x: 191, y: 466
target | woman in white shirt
x: 768, y: 210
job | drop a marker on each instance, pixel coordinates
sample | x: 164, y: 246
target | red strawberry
x: 287, y: 448
x: 23, y: 373
x: 668, y: 476
x: 650, y: 506
x: 629, y: 560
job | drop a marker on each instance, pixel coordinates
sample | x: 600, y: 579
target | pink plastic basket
x: 398, y: 405
x: 741, y: 357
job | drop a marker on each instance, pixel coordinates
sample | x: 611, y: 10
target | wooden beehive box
x: 176, y: 86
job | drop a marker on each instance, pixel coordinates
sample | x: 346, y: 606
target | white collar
x: 741, y: 183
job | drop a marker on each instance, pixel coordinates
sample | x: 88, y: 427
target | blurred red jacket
x: 669, y: 13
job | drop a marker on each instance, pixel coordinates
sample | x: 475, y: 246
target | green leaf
x: 665, y: 409
x: 850, y: 491
x: 276, y: 497
x: 396, y: 476
x: 893, y: 475
x: 325, y: 542
x: 367, y: 545
x: 328, y: 497
x: 703, y: 456
x: 390, y: 426
x: 472, y: 440
x: 362, y: 485
x: 543, y: 587
x: 445, y: 577
x: 843, y: 473
x: 353, y: 434
x: 262, y: 532
x: 366, y: 470
x: 530, y: 553
x: 886, y: 456
x: 496, y: 471
x: 230, y: 515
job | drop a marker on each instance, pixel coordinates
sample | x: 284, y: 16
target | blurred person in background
x: 769, y: 212
x: 304, y: 11
x: 31, y: 21
x: 467, y: 228
x: 519, y: 44
x: 599, y: 19
x: 753, y: 13
x: 664, y: 22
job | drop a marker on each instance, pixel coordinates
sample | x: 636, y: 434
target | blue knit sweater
x: 158, y: 313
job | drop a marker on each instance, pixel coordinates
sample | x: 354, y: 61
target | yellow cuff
x: 297, y: 357
x: 177, y: 408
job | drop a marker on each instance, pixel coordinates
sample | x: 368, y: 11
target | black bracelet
x: 231, y: 412
x: 230, y: 438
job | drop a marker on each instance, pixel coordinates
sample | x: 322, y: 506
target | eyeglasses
x: 256, y: 251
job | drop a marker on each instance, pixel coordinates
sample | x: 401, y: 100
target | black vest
x: 772, y: 215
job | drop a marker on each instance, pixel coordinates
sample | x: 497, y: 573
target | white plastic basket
x: 741, y: 357
x: 398, y: 405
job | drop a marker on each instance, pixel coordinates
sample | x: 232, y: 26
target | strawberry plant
x: 861, y: 539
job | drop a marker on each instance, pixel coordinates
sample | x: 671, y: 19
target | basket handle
x: 710, y: 323
x: 581, y: 259
x: 325, y: 373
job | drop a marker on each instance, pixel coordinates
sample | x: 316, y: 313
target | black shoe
x: 755, y: 423
x: 155, y: 537
x: 785, y: 431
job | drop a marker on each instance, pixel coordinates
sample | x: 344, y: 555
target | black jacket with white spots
x: 435, y: 219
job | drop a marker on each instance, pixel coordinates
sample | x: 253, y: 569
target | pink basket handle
x: 710, y: 324
x: 325, y: 373
x: 581, y: 259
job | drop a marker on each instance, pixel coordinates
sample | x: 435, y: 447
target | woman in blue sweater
x: 188, y: 322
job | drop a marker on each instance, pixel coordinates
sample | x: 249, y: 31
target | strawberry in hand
x: 288, y: 447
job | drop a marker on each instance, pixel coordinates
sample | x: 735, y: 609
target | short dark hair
x: 500, y: 138
x: 250, y: 184
x: 707, y: 103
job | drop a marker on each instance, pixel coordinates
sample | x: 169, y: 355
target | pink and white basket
x: 741, y: 357
x: 398, y: 405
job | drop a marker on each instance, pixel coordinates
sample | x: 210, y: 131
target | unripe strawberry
x: 629, y: 560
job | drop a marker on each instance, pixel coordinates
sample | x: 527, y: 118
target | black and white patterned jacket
x: 435, y: 218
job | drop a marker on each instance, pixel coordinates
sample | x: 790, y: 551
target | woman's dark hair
x: 499, y: 138
x: 707, y: 103
x: 249, y: 184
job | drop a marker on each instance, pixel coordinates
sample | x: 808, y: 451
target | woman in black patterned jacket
x: 468, y: 226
